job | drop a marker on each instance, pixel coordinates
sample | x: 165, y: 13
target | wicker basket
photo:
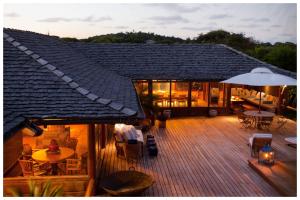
x: 126, y: 183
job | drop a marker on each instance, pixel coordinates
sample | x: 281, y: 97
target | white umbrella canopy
x: 261, y: 77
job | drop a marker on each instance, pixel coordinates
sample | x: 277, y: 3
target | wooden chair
x: 73, y: 166
x: 84, y: 162
x: 27, y: 152
x: 29, y: 169
x: 61, y: 168
x: 133, y: 151
x: 265, y: 122
x: 71, y: 143
x: 120, y: 146
x: 281, y: 122
x: 245, y: 121
x: 258, y: 140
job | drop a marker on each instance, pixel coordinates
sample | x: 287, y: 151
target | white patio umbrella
x: 261, y: 77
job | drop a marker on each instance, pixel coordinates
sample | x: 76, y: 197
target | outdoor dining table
x: 256, y: 115
x: 53, y: 158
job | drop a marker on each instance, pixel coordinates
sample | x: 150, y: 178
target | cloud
x: 276, y: 26
x: 12, y: 14
x: 121, y: 27
x: 287, y: 35
x: 220, y: 16
x: 90, y: 18
x: 176, y: 7
x: 263, y: 19
x: 168, y: 19
x: 56, y: 19
x: 252, y: 25
x: 101, y: 19
x: 205, y: 28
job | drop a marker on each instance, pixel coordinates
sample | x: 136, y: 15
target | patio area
x: 202, y: 156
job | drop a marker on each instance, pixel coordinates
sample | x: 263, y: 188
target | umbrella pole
x: 259, y: 99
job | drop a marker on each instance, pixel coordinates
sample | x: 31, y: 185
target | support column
x: 228, y: 97
x: 170, y: 94
x: 103, y: 134
x: 150, y: 90
x: 190, y: 95
x: 91, y: 152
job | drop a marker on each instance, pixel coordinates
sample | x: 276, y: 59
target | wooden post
x: 103, y: 138
x: 280, y: 99
x: 91, y: 152
x: 190, y: 95
x: 208, y: 95
x: 150, y: 90
x: 228, y: 100
x: 170, y: 93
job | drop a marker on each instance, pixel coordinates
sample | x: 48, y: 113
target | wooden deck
x: 202, y: 156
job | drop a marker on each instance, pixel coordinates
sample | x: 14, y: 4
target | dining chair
x: 71, y: 143
x: 265, y: 122
x: 61, y: 168
x: 73, y: 166
x: 120, y: 147
x: 29, y: 169
x: 27, y: 152
x: 244, y: 120
x: 84, y: 162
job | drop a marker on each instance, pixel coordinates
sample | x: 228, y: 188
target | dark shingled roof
x: 45, y: 78
x: 178, y: 61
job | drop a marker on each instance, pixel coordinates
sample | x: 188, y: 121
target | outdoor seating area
x: 128, y: 142
x: 252, y: 96
x: 256, y: 119
x: 217, y: 153
x: 61, y: 150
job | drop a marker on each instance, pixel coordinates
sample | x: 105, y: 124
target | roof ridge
x: 44, y: 63
x: 260, y: 61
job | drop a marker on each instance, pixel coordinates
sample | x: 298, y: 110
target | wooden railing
x: 72, y: 185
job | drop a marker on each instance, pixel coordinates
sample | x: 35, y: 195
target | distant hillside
x: 283, y: 55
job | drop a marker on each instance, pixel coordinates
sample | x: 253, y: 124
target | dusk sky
x: 263, y: 22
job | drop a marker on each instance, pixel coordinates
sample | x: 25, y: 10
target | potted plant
x: 212, y: 112
x: 38, y: 190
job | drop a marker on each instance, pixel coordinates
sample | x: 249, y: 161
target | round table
x: 255, y: 114
x: 53, y: 159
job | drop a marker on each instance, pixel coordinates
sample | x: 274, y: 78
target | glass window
x: 199, y: 94
x: 216, y: 94
x: 161, y: 93
x: 179, y: 92
x: 141, y: 87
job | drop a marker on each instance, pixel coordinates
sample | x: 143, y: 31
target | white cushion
x: 259, y: 135
x: 140, y: 136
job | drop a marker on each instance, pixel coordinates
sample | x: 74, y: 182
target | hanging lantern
x: 266, y: 155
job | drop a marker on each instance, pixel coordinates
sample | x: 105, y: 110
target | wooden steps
x: 281, y: 176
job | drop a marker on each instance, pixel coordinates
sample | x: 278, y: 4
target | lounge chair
x: 258, y: 140
x: 291, y: 141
